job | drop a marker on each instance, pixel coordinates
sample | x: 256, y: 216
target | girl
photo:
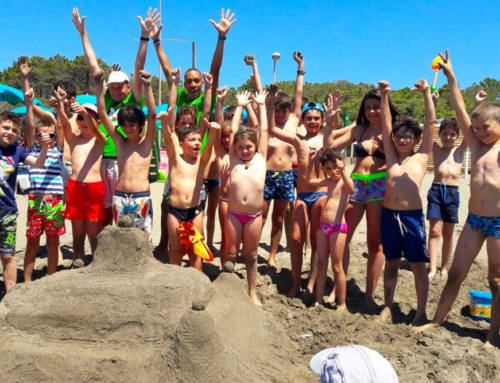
x: 332, y: 232
x: 369, y: 182
x: 247, y: 168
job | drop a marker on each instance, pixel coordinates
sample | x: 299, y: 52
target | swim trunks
x: 188, y: 214
x: 211, y: 184
x: 488, y: 226
x: 330, y: 228
x: 442, y: 202
x: 310, y: 198
x: 279, y: 185
x: 8, y: 225
x: 368, y: 187
x: 109, y: 175
x: 45, y: 213
x: 403, y: 235
x: 85, y: 201
x: 137, y: 206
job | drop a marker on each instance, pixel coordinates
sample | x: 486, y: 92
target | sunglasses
x: 405, y: 137
x: 80, y: 117
x: 51, y: 135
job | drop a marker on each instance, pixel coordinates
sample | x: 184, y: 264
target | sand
x: 453, y: 353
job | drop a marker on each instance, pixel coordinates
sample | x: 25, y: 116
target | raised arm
x: 480, y: 97
x: 281, y: 134
x: 91, y: 122
x: 457, y: 99
x: 147, y: 25
x: 222, y: 27
x: 299, y: 84
x: 160, y: 53
x: 88, y: 51
x: 219, y: 118
x: 62, y: 117
x: 98, y: 78
x: 255, y: 76
x: 430, y: 116
x: 207, y: 100
x: 168, y: 118
x: 390, y: 151
x: 150, y: 103
x: 348, y: 183
x: 39, y: 162
x: 243, y: 99
x: 260, y: 99
x: 30, y: 119
x: 213, y: 128
x: 332, y: 117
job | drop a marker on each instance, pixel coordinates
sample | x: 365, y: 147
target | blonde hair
x: 486, y: 110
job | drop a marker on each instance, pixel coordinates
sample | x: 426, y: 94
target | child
x: 132, y: 195
x: 85, y: 189
x: 45, y: 201
x: 332, y: 231
x: 403, y: 228
x: 186, y: 168
x: 443, y: 197
x: 482, y: 132
x: 11, y: 154
x: 247, y: 169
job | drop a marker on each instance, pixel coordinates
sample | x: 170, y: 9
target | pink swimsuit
x: 330, y: 228
x: 244, y: 218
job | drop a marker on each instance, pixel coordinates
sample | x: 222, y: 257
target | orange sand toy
x: 191, y: 238
x: 435, y: 66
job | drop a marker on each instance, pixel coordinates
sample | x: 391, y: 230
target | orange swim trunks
x: 85, y: 201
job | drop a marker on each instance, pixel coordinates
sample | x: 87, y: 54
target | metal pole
x: 194, y: 55
x: 159, y: 69
x: 274, y: 72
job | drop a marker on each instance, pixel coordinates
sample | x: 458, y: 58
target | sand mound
x: 129, y: 318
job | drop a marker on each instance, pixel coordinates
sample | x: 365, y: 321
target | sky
x: 358, y: 41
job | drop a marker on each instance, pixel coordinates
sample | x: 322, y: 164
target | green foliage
x: 46, y: 72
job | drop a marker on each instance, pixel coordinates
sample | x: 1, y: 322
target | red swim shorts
x: 85, y: 201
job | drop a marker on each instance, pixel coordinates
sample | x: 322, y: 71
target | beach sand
x: 453, y: 353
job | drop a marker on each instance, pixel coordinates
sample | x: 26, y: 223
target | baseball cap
x: 118, y: 76
x: 91, y: 107
x: 313, y: 106
x: 352, y: 364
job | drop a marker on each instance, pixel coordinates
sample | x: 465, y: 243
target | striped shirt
x: 47, y: 180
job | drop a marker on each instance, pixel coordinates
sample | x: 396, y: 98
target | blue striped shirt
x: 47, y: 180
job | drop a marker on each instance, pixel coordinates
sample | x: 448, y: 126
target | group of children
x: 289, y: 151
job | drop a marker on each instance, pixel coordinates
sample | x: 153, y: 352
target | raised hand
x: 260, y: 97
x: 175, y: 75
x: 272, y: 95
x: 44, y: 139
x: 78, y: 22
x: 24, y: 65
x: 445, y: 65
x: 340, y: 164
x: 298, y: 57
x: 145, y: 77
x: 162, y: 116
x: 77, y: 108
x: 384, y: 86
x: 480, y: 96
x: 435, y: 98
x: 249, y: 59
x: 222, y: 93
x: 208, y: 79
x: 421, y: 85
x: 225, y: 22
x: 332, y: 103
x: 155, y: 32
x: 152, y: 18
x: 98, y: 77
x: 59, y: 95
x: 29, y: 95
x: 116, y: 68
x: 243, y: 98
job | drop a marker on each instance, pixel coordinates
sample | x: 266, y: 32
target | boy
x: 132, y: 195
x: 85, y: 189
x: 186, y: 168
x: 443, y: 197
x: 12, y: 154
x: 45, y: 201
x: 403, y: 227
x: 482, y: 132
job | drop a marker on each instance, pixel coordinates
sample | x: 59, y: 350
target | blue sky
x: 359, y: 41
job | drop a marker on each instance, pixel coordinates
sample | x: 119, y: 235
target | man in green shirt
x: 120, y: 92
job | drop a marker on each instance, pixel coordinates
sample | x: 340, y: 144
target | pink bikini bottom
x: 330, y: 228
x: 244, y: 218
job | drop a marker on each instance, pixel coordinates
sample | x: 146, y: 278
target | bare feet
x: 419, y: 319
x: 444, y: 273
x: 426, y: 327
x: 490, y: 344
x: 341, y: 309
x: 385, y: 315
x: 331, y: 298
x: 432, y: 274
x: 255, y: 299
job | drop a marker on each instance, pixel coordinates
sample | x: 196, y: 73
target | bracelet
x: 144, y: 38
x: 221, y: 37
x: 156, y: 41
x: 301, y: 72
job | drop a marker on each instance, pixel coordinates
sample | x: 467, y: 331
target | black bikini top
x: 360, y: 151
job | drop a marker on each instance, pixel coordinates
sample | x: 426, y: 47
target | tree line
x: 46, y: 72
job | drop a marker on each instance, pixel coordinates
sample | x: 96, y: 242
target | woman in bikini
x: 369, y: 182
x: 247, y: 167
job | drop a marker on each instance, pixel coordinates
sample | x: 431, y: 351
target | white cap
x: 90, y: 106
x: 352, y: 364
x: 117, y: 76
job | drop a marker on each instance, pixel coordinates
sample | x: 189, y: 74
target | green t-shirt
x: 112, y: 108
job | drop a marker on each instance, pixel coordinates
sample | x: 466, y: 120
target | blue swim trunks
x: 368, y: 187
x: 279, y: 185
x: 211, y: 184
x: 442, y: 202
x: 310, y: 198
x: 488, y: 226
x: 403, y: 235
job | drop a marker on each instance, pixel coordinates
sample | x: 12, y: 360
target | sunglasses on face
x: 406, y: 137
x: 51, y: 135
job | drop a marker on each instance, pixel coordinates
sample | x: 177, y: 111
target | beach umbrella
x: 14, y: 96
x: 22, y: 110
x: 84, y: 98
x: 159, y: 108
